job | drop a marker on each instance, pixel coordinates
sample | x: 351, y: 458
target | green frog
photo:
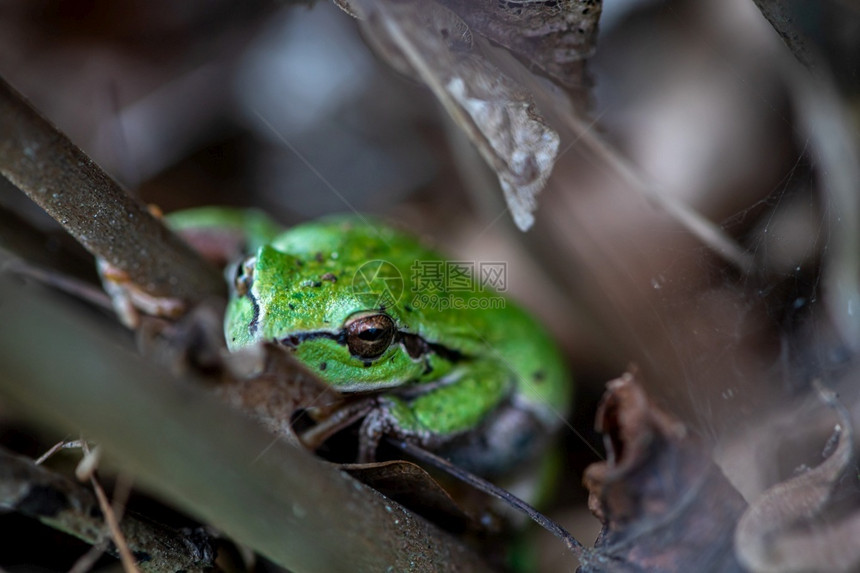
x: 450, y: 364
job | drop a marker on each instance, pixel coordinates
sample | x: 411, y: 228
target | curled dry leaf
x: 664, y: 505
x: 426, y: 40
x: 792, y: 525
x: 556, y: 35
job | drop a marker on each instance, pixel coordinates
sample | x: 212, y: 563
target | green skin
x: 448, y: 374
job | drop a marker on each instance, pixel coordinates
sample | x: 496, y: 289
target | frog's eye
x: 369, y: 336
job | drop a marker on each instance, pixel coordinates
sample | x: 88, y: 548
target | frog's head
x: 306, y: 301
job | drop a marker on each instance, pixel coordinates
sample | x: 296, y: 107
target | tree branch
x: 59, y: 177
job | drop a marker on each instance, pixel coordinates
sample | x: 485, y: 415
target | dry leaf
x: 412, y: 487
x: 556, y: 36
x: 665, y: 506
x: 786, y: 528
x: 428, y: 41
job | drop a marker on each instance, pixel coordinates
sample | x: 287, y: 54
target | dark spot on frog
x: 291, y: 306
x: 407, y: 308
x: 318, y: 257
x: 539, y: 375
x: 367, y: 363
x: 329, y: 277
x: 323, y: 365
x: 43, y: 501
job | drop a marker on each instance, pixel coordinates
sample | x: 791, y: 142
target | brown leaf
x: 782, y: 530
x: 412, y: 487
x: 556, y: 36
x: 426, y: 40
x: 665, y: 506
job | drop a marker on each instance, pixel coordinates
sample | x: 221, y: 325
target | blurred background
x: 284, y: 107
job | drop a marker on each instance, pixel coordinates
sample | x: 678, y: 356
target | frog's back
x: 543, y: 379
x: 350, y: 239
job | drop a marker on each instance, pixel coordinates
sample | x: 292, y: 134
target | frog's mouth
x: 415, y: 346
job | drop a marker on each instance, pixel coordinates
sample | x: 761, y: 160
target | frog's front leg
x: 129, y: 300
x: 446, y: 410
x: 219, y: 234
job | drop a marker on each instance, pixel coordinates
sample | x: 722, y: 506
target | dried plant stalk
x: 77, y: 193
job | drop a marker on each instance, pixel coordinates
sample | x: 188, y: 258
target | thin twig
x: 706, y: 231
x: 113, y: 513
x: 487, y: 487
x: 128, y: 561
x: 77, y: 288
x: 86, y: 561
x: 61, y: 445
